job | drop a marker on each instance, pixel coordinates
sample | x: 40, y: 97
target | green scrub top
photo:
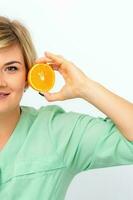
x: 49, y: 147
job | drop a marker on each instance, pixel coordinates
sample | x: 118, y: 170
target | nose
x: 2, y: 80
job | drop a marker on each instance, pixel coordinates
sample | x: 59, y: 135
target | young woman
x: 42, y: 150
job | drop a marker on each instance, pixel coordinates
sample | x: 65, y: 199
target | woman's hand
x: 75, y: 79
x: 78, y: 85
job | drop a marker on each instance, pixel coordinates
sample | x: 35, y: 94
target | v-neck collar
x: 9, y: 156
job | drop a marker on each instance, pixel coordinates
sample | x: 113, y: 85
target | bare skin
x: 78, y: 85
x: 12, y: 81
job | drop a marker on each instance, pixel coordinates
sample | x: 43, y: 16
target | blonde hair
x: 11, y: 32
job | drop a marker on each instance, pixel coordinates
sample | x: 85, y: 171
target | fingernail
x: 41, y: 94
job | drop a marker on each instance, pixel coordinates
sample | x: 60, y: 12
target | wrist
x: 88, y: 90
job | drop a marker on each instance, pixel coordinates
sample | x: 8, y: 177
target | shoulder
x: 44, y: 112
x: 51, y: 114
x: 42, y: 109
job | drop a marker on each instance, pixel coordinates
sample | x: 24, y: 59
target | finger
x: 53, y: 96
x: 54, y: 66
x: 47, y: 61
x: 58, y: 59
x: 43, y: 60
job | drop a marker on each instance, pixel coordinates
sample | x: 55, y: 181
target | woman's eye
x: 12, y: 68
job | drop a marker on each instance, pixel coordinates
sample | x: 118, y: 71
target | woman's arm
x: 114, y: 106
x: 78, y: 85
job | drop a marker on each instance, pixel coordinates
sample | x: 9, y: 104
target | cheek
x: 17, y: 83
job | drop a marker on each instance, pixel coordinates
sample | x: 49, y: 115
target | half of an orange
x: 41, y: 77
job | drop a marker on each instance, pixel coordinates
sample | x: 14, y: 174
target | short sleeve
x: 85, y: 142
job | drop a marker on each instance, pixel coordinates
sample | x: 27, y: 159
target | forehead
x: 13, y: 52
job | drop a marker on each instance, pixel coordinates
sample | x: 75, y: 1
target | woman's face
x: 12, y: 78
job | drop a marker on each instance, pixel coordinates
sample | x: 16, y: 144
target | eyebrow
x: 12, y: 62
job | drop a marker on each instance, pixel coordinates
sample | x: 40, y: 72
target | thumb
x: 53, y: 96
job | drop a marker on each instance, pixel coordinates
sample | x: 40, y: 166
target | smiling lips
x: 3, y: 94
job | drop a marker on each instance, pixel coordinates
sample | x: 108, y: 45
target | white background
x: 97, y: 35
